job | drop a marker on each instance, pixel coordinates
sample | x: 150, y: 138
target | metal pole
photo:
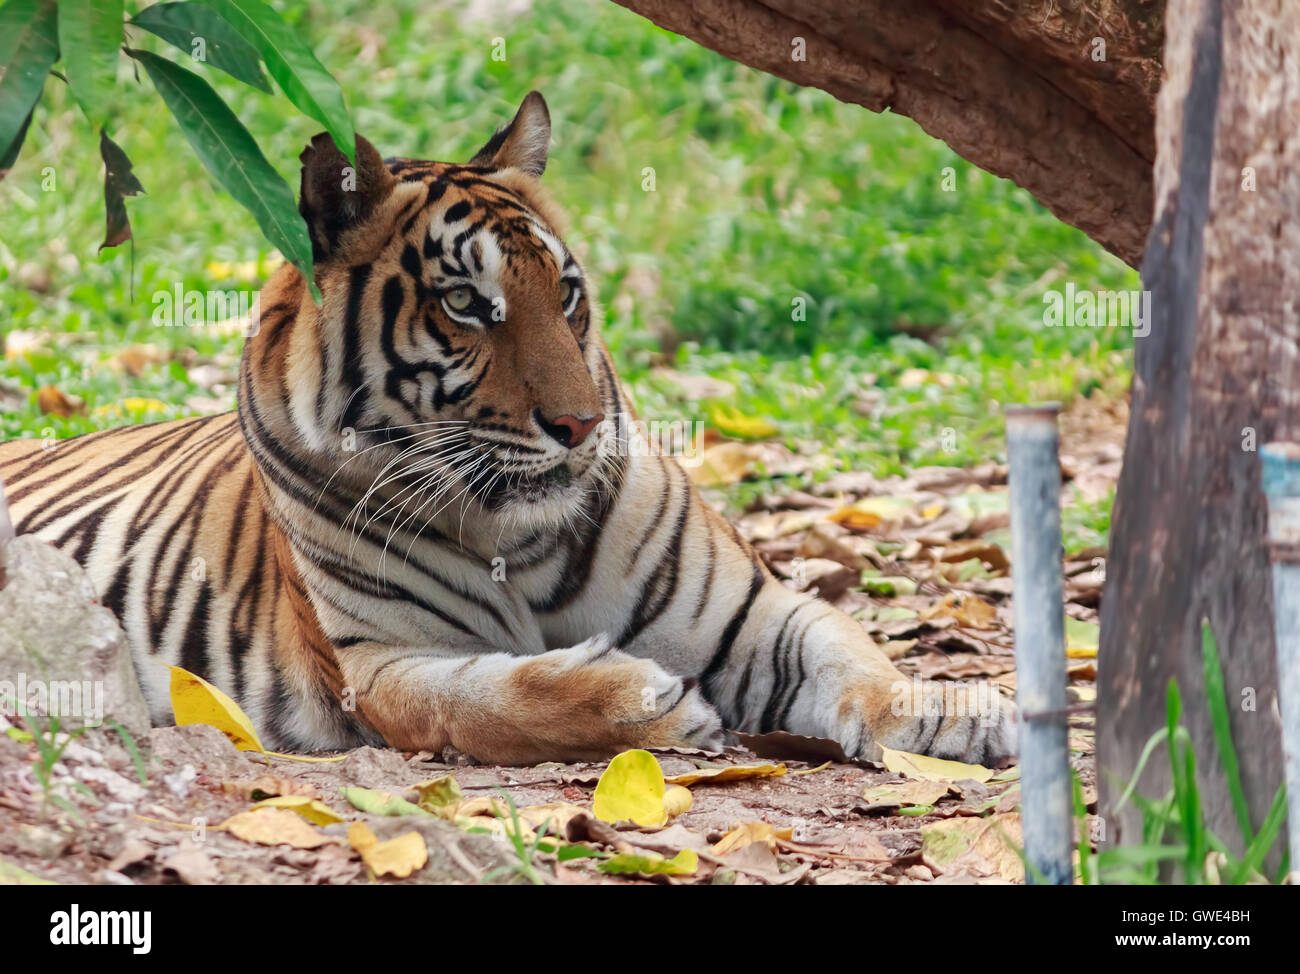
x: 1280, y: 472
x: 1038, y: 592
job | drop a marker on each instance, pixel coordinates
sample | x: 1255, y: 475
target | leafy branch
x: 236, y: 37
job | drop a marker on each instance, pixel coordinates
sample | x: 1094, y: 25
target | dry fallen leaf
x: 398, y: 857
x: 275, y: 826
x: 314, y: 811
x: 718, y: 775
x: 724, y: 463
x: 134, y: 359
x: 984, y: 846
x: 871, y: 512
x: 965, y: 608
x: 746, y: 833
x: 916, y: 792
x: 439, y: 795
x: 932, y: 769
x: 986, y: 551
x: 268, y: 786
x: 54, y: 401
x: 193, y: 866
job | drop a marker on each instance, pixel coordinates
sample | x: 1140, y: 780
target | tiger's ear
x: 336, y: 195
x: 523, y: 143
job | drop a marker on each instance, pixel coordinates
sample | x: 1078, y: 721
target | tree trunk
x: 1056, y: 95
x: 1218, y: 376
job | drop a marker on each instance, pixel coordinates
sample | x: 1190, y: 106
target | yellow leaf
x: 723, y: 463
x: 275, y: 826
x: 907, y: 793
x: 718, y: 775
x: 1081, y: 652
x: 631, y: 789
x: 747, y: 833
x: 196, y: 701
x: 309, y: 808
x: 931, y: 512
x: 677, y: 800
x: 439, y: 795
x: 651, y: 863
x: 870, y: 512
x: 853, y: 518
x: 244, y: 270
x: 733, y: 422
x: 965, y: 608
x: 933, y: 769
x: 398, y: 857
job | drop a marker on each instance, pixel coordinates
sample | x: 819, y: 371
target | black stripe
x: 723, y: 653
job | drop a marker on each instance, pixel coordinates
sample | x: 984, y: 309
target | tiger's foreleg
x: 583, y: 703
x: 799, y: 664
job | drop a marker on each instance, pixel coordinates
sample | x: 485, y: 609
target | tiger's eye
x: 566, y: 292
x: 458, y: 299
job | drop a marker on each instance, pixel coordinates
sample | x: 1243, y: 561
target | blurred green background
x: 923, y: 305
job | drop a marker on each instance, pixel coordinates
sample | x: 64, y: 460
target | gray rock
x: 203, y: 747
x: 42, y: 841
x: 54, y: 634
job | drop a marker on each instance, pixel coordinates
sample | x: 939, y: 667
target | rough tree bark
x: 1218, y: 375
x: 1015, y: 86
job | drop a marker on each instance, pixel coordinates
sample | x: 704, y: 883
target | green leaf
x: 233, y: 158
x: 90, y: 33
x: 11, y: 875
x: 1259, y: 847
x: 29, y: 46
x: 119, y: 183
x: 684, y: 863
x: 133, y: 749
x: 381, y: 802
x: 10, y: 155
x: 1217, y: 700
x: 221, y: 45
x: 293, y: 66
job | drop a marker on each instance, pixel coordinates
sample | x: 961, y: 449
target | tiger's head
x: 457, y: 338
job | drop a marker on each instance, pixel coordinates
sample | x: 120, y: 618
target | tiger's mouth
x: 529, y: 488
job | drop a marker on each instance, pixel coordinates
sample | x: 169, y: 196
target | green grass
x: 764, y: 193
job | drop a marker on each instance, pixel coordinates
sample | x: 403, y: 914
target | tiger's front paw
x: 647, y: 706
x: 966, y: 722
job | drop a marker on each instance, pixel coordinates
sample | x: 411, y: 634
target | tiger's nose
x: 568, y: 431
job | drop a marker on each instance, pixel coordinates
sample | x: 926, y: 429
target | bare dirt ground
x: 920, y: 561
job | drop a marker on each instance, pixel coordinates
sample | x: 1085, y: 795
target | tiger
x: 421, y: 529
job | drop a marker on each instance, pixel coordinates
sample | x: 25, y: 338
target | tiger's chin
x: 551, y: 498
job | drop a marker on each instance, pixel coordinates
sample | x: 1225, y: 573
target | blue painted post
x: 1038, y: 593
x: 1280, y: 472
